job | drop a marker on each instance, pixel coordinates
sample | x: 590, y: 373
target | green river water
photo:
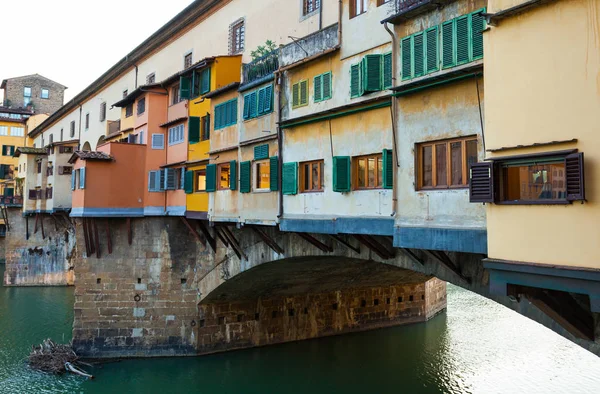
x: 477, y: 346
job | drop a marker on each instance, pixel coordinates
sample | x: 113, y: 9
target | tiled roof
x: 26, y: 150
x: 91, y: 155
x: 170, y: 122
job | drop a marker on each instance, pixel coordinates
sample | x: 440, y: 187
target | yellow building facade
x: 12, y: 135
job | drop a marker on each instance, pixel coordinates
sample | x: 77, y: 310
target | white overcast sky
x: 73, y: 42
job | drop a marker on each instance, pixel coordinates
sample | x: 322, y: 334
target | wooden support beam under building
x: 96, y: 238
x: 312, y: 240
x: 108, y: 240
x: 42, y: 225
x: 129, y: 234
x: 233, y: 242
x: 90, y: 232
x: 347, y: 244
x: 445, y: 261
x: 268, y: 240
x: 85, y: 237
x: 26, y: 228
x: 374, y: 246
x: 211, y: 240
x: 37, y: 219
x: 411, y: 255
x: 193, y: 231
x: 221, y: 236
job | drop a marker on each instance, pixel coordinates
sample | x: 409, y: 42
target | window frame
x: 299, y: 102
x: 87, y: 121
x: 321, y: 79
x: 189, y: 54
x: 238, y: 44
x: 321, y: 175
x: 354, y: 176
x: 502, y: 164
x: 175, y: 131
x: 47, y: 94
x: 196, y: 174
x: 220, y: 167
x: 129, y: 110
x: 316, y: 4
x: 353, y: 12
x: 255, y: 173
x: 141, y: 106
x: 447, y: 142
x: 151, y: 78
x: 175, y: 97
x: 223, y: 106
x: 103, y: 111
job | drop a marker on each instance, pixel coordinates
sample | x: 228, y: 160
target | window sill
x: 261, y: 191
x: 537, y: 202
x: 175, y: 143
x: 441, y: 189
x: 312, y: 191
x: 370, y: 189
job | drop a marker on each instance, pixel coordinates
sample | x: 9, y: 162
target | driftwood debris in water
x: 54, y: 358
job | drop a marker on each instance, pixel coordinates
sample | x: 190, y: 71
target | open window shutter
x: 431, y: 51
x: 373, y: 72
x: 247, y: 106
x: 295, y: 95
x: 151, y: 181
x: 274, y: 173
x: 189, y: 182
x: 289, y: 177
x: 181, y: 178
x: 318, y: 86
x: 448, y: 44
x: 184, y: 87
x: 355, y: 85
x: 268, y: 99
x: 261, y: 152
x: 82, y: 178
x: 194, y: 129
x: 261, y: 101
x: 326, y: 86
x: 477, y: 26
x: 170, y: 181
x: 386, y: 66
x: 481, y: 182
x: 418, y: 47
x: 211, y: 177
x: 73, y: 179
x: 233, y: 110
x: 575, y: 177
x: 462, y: 39
x: 161, y: 179
x: 245, y: 179
x: 205, y: 81
x: 388, y: 169
x: 233, y: 175
x: 406, y: 58
x: 303, y: 92
x: 253, y: 106
x: 217, y: 120
x: 341, y: 174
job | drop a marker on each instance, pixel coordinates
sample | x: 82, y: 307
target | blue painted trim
x: 154, y: 211
x: 444, y: 239
x: 582, y: 281
x: 340, y: 225
x: 176, y: 211
x: 106, y: 212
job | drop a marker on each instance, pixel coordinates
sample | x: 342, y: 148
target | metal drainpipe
x: 321, y: 16
x: 341, y: 7
x: 79, y: 138
x: 280, y: 86
x: 394, y: 127
x: 136, y: 75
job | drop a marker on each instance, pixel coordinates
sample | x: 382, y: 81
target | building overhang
x: 407, y: 9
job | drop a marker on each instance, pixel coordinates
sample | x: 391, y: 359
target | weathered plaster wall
x: 43, y: 259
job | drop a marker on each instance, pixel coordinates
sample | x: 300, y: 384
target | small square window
x: 358, y: 7
x: 309, y: 6
x: 187, y: 60
x: 200, y: 177
x: 368, y: 172
x: 45, y: 94
x: 237, y: 37
x: 311, y: 176
x: 151, y: 78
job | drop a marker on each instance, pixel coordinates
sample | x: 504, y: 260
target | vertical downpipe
x: 280, y: 87
x: 79, y: 143
x: 394, y: 118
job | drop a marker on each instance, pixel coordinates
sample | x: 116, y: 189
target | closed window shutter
x: 477, y: 26
x: 194, y: 129
x: 170, y: 179
x: 205, y: 81
x: 184, y: 87
x: 388, y: 169
x: 261, y: 152
x: 269, y: 98
x: 211, y: 177
x: 233, y: 111
x: 189, y: 182
x: 82, y: 178
x: 431, y: 51
x: 341, y: 174
x: 318, y: 86
x: 233, y: 175
x: 575, y: 177
x: 246, y: 106
x: 462, y: 39
x: 158, y: 141
x: 303, y: 92
x: 217, y: 120
x: 295, y: 95
x: 481, y: 182
x: 406, y: 58
x: 161, y: 180
x: 355, y: 85
x: 448, y: 44
x: 245, y: 178
x: 274, y: 173
x: 261, y: 101
x: 289, y: 177
x: 372, y: 73
x: 252, y: 104
x: 181, y: 178
x: 151, y: 181
x: 327, y: 86
x: 386, y: 65
x: 418, y: 47
x: 73, y: 179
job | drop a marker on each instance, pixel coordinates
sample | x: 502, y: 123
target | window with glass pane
x: 223, y: 171
x: 533, y: 181
x: 45, y: 94
x: 311, y: 176
x: 358, y: 7
x: 200, y: 176
x: 263, y: 175
x: 445, y: 164
x: 369, y: 172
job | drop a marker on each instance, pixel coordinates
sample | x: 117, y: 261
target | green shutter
x: 355, y: 85
x: 386, y: 66
x: 211, y: 177
x: 388, y: 169
x: 318, y: 88
x: 341, y: 174
x: 268, y: 99
x: 406, y: 58
x: 233, y: 175
x: 477, y: 26
x: 295, y: 95
x: 419, y: 60
x: 247, y: 106
x: 326, y: 86
x: 245, y: 179
x: 12, y: 150
x: 431, y: 50
x: 372, y: 73
x: 184, y: 87
x: 188, y: 182
x: 252, y: 104
x: 289, y: 177
x: 261, y: 101
x: 448, y: 44
x: 194, y: 129
x: 261, y: 152
x: 303, y: 92
x: 462, y: 39
x: 205, y: 81
x: 233, y: 111
x: 274, y: 173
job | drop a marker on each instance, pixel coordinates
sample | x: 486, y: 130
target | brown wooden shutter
x: 481, y: 182
x: 575, y: 177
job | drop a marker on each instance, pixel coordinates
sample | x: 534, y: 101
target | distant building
x: 33, y: 92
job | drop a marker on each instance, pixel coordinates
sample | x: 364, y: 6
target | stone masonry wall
x: 45, y: 259
x: 14, y: 93
x: 237, y: 325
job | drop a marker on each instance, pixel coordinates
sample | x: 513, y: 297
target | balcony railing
x: 11, y: 200
x: 261, y: 67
